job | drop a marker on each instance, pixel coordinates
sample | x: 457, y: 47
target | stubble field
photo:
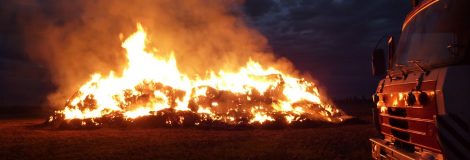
x: 20, y: 139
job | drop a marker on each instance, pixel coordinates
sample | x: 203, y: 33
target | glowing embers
x: 153, y: 86
x: 170, y: 118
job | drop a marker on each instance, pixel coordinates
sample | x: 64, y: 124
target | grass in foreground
x: 19, y: 141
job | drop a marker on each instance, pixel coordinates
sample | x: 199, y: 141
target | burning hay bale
x: 164, y: 97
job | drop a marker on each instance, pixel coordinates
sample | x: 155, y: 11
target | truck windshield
x: 434, y: 36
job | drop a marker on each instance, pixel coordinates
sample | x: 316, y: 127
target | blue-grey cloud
x: 330, y: 39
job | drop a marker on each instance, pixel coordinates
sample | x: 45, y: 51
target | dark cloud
x: 332, y: 39
x: 257, y: 8
x: 23, y: 82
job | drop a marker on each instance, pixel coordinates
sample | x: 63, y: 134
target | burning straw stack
x: 227, y: 110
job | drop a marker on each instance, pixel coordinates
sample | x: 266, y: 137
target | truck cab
x: 423, y: 100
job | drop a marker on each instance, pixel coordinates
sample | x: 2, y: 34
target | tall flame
x: 151, y: 84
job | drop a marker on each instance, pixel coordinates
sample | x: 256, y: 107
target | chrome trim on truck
x: 383, y: 150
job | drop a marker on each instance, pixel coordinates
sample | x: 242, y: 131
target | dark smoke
x: 74, y: 39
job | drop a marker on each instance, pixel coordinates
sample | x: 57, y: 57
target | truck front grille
x: 401, y: 112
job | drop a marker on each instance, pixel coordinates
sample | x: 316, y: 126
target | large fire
x: 153, y: 86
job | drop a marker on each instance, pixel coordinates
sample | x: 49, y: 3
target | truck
x: 423, y: 99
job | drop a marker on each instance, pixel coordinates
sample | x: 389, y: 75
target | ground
x: 20, y: 140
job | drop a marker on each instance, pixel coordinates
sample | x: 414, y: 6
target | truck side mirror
x: 378, y: 62
x: 391, y: 51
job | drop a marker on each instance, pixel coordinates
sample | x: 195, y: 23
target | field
x: 19, y: 139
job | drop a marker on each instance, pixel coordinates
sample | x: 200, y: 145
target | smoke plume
x: 75, y: 39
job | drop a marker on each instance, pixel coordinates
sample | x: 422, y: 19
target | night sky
x: 330, y: 39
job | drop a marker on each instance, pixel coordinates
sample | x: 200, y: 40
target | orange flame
x: 150, y: 84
